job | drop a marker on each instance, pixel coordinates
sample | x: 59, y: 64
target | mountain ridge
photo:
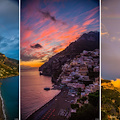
x: 87, y: 41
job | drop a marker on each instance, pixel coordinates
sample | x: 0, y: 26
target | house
x: 83, y: 70
x: 64, y: 81
x: 96, y: 69
x: 73, y: 110
x: 85, y: 52
x: 76, y: 85
x: 85, y: 78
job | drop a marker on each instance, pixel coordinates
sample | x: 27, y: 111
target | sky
x: 110, y: 40
x: 9, y: 28
x: 49, y: 26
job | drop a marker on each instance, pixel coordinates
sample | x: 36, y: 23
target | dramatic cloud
x: 36, y: 46
x: 47, y: 15
x: 45, y: 22
x: 9, y: 28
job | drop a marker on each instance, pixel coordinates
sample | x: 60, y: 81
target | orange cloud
x: 53, y: 36
x: 116, y: 83
x: 34, y: 63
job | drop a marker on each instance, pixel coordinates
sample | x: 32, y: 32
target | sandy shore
x: 41, y: 110
x: 2, y: 116
x: 53, y: 108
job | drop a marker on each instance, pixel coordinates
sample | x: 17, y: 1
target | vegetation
x: 88, y: 111
x: 74, y: 106
x: 105, y: 81
x: 8, y: 67
x: 110, y: 101
x: 94, y: 98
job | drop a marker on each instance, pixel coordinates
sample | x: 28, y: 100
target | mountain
x: 88, y: 41
x: 8, y: 67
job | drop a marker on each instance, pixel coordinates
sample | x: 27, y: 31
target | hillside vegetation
x: 8, y: 67
x: 110, y: 100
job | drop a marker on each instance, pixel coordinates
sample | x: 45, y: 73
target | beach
x: 10, y: 97
x: 56, y: 109
x: 1, y: 109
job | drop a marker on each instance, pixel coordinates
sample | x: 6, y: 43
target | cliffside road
x: 57, y: 109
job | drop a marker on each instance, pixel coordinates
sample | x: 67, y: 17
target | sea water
x: 10, y: 95
x: 33, y: 95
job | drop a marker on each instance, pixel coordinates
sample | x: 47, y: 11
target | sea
x: 10, y: 95
x: 33, y: 95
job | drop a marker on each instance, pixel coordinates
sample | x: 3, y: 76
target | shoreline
x: 35, y: 114
x: 53, y: 110
x: 8, y: 76
x: 3, y: 115
x: 2, y: 109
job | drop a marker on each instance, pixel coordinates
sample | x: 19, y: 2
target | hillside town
x: 81, y: 77
x: 79, y: 90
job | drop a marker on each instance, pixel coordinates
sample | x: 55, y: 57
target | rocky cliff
x: 88, y: 41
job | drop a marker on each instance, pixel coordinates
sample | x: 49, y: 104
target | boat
x: 46, y: 88
x: 41, y: 73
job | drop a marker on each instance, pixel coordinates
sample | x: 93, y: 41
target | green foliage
x: 8, y: 67
x: 92, y: 74
x: 110, y: 102
x: 86, y: 112
x: 83, y: 99
x: 74, y: 106
x: 94, y: 98
x: 104, y: 115
x: 79, y: 94
x: 79, y: 90
x: 87, y: 82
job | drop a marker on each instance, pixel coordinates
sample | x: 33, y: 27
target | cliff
x: 88, y: 41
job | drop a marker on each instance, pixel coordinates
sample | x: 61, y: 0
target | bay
x: 33, y: 95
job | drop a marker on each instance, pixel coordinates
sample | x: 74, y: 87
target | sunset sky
x: 110, y: 39
x: 9, y: 28
x: 49, y: 26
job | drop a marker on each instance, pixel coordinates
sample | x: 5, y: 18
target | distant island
x: 8, y: 67
x: 110, y: 100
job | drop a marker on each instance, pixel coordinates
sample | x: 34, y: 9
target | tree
x: 73, y: 106
x: 83, y: 99
x: 94, y: 98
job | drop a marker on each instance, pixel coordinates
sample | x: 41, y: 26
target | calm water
x: 33, y: 95
x: 10, y: 95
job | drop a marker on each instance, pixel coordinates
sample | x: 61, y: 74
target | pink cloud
x: 37, y: 29
x: 88, y: 22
